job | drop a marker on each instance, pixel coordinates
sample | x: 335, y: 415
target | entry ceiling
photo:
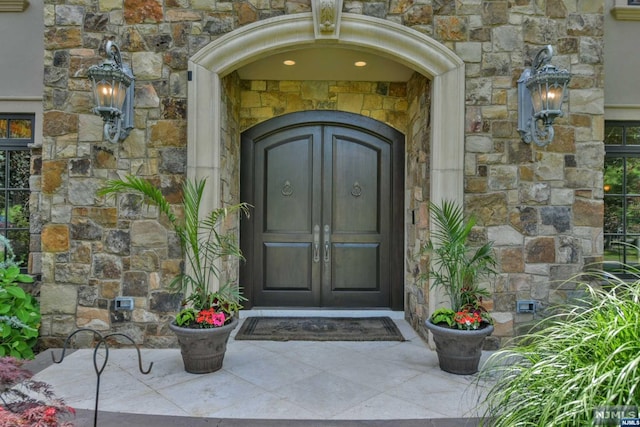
x: 324, y: 63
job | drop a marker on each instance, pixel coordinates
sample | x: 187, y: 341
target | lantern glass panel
x: 537, y: 98
x: 110, y: 94
x: 554, y: 97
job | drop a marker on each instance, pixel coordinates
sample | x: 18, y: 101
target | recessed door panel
x: 288, y: 186
x: 356, y: 267
x: 321, y: 231
x: 278, y: 262
x: 356, y: 186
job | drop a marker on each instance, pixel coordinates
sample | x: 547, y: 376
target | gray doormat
x: 319, y: 329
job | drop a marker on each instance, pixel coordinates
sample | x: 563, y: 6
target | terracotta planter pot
x: 203, y: 349
x: 458, y: 350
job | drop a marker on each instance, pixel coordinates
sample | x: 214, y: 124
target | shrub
x: 25, y: 402
x: 583, y: 358
x: 19, y: 311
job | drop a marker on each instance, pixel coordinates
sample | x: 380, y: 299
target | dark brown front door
x: 321, y: 233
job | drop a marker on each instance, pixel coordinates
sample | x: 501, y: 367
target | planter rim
x: 193, y: 331
x: 488, y: 330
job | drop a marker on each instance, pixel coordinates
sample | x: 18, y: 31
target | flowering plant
x: 203, y: 245
x: 468, y: 318
x: 457, y: 267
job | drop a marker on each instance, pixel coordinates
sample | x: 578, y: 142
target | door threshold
x: 320, y: 312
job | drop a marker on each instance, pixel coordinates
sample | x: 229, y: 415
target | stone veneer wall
x: 417, y: 185
x: 542, y: 207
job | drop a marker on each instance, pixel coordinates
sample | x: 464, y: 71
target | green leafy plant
x: 19, y: 315
x: 203, y: 246
x: 457, y: 267
x: 585, y: 357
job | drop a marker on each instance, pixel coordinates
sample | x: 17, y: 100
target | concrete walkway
x: 263, y: 383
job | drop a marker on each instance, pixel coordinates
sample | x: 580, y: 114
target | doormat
x: 319, y: 329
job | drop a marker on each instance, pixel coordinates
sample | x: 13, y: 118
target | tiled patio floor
x: 293, y: 380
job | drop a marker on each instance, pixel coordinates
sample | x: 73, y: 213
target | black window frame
x: 7, y: 146
x: 623, y: 151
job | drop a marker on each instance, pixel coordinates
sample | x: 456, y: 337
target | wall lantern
x: 541, y: 90
x: 113, y: 86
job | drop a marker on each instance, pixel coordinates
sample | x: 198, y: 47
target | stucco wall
x: 542, y: 207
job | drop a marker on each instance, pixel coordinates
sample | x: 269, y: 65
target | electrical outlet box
x: 526, y: 306
x: 124, y: 303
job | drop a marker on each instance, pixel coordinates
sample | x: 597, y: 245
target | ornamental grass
x: 585, y: 357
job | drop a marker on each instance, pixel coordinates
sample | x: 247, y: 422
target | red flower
x: 211, y: 317
x: 468, y: 319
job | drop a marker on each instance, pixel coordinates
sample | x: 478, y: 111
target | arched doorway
x: 280, y: 34
x: 327, y: 194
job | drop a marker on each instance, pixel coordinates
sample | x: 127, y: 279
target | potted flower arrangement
x: 456, y: 268
x: 207, y: 316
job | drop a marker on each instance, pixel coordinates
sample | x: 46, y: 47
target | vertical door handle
x: 327, y: 246
x: 316, y: 243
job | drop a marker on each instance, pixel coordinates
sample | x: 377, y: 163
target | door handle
x: 327, y: 246
x: 316, y: 243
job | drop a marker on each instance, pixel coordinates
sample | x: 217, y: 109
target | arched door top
x: 264, y: 38
x: 283, y: 33
x: 342, y: 118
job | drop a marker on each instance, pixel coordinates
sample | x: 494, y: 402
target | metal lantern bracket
x: 541, y: 90
x: 110, y: 79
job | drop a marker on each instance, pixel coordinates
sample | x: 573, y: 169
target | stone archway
x: 264, y: 38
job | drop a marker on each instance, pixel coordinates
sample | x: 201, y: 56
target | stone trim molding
x: 283, y: 33
x: 622, y: 112
x: 327, y: 15
x: 622, y: 11
x: 13, y: 5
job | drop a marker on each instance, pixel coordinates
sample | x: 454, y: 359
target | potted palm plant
x: 208, y: 315
x: 457, y: 268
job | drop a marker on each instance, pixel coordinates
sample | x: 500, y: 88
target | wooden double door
x: 326, y: 227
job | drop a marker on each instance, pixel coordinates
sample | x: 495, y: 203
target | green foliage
x: 443, y: 315
x: 201, y: 240
x: 586, y: 356
x: 456, y: 267
x: 186, y: 316
x: 19, y: 315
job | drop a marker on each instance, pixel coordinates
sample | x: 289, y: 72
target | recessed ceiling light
x: 289, y: 62
x: 359, y: 63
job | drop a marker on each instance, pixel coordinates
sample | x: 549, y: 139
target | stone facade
x: 542, y: 207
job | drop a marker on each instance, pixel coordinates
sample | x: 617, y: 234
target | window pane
x: 3, y: 177
x: 3, y: 128
x: 633, y: 135
x: 633, y: 175
x: 20, y: 128
x: 18, y: 209
x: 20, y: 243
x: 613, y: 173
x: 19, y: 163
x: 613, y: 135
x: 633, y: 215
x: 613, y: 210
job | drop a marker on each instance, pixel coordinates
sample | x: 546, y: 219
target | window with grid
x: 16, y: 133
x: 622, y: 196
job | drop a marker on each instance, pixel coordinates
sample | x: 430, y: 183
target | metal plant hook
x: 102, y: 342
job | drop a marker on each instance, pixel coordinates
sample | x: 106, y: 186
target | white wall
x: 21, y: 51
x: 22, y: 63
x: 622, y: 65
